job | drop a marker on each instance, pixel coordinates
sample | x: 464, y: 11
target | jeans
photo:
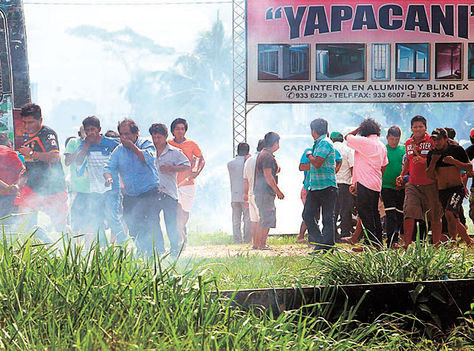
x: 239, y: 210
x: 169, y: 206
x: 393, y: 204
x: 343, y: 210
x: 6, y: 209
x: 141, y: 215
x: 368, y: 208
x: 325, y: 200
x: 106, y: 207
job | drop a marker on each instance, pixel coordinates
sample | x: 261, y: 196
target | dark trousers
x: 393, y: 204
x: 344, y: 205
x: 79, y: 213
x: 317, y: 200
x: 141, y: 215
x: 240, y: 211
x: 368, y: 208
x: 6, y: 208
x: 169, y: 206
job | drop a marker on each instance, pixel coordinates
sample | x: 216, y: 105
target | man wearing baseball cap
x: 470, y: 155
x: 445, y: 163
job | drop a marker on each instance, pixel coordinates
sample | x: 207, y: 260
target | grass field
x: 72, y: 298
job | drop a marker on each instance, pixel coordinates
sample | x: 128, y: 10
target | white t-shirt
x: 345, y: 172
x: 249, y: 172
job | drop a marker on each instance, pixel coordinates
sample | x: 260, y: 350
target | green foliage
x: 110, y: 299
x: 421, y: 261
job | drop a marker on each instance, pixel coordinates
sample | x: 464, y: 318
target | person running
x: 445, y: 163
x: 249, y: 194
x: 322, y: 189
x: 370, y: 159
x: 134, y: 161
x: 78, y: 185
x: 169, y: 162
x: 393, y: 194
x: 186, y: 186
x: 266, y: 188
x: 45, y: 188
x: 103, y: 202
x: 421, y: 194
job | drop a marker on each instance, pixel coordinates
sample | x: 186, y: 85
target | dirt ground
x: 216, y: 251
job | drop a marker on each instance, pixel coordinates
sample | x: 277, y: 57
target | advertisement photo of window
x: 412, y: 61
x: 448, y: 59
x: 283, y: 62
x: 380, y: 62
x: 340, y: 62
x: 470, y: 61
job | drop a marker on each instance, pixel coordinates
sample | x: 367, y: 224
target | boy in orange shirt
x: 186, y: 189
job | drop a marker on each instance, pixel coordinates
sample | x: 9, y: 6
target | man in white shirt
x: 345, y: 200
x: 249, y: 179
x: 240, y: 209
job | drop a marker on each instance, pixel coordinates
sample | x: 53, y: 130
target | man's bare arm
x: 267, y: 172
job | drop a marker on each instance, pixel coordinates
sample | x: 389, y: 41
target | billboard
x: 348, y: 51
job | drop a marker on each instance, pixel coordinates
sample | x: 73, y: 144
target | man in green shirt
x: 392, y: 194
x: 79, y: 186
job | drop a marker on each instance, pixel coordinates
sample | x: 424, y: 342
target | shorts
x: 54, y: 205
x: 421, y: 201
x: 266, y: 210
x: 304, y: 192
x: 253, y: 209
x: 451, y: 199
x: 186, y: 195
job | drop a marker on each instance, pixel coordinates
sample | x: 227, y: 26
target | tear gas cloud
x: 151, y: 69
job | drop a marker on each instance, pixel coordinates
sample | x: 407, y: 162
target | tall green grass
x: 110, y: 299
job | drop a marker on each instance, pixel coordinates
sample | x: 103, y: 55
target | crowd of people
x: 118, y: 180
x: 355, y: 187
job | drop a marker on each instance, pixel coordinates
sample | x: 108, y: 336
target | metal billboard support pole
x: 239, y: 73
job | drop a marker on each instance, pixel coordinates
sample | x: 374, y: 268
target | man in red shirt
x: 11, y: 169
x: 421, y: 193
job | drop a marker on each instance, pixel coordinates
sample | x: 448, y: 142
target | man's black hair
x: 394, y: 131
x: 451, y: 132
x: 320, y: 126
x: 260, y: 145
x: 5, y: 140
x: 271, y: 138
x: 179, y: 121
x: 369, y: 127
x: 243, y: 149
x: 91, y: 121
x: 418, y: 118
x: 128, y: 122
x: 159, y: 128
x: 31, y: 109
x: 112, y: 134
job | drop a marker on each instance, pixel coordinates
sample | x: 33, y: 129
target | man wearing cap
x: 421, y: 194
x: 445, y: 163
x: 345, y: 200
x: 470, y: 155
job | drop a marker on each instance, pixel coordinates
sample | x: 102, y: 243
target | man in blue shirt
x: 134, y: 160
x: 322, y: 188
x: 102, y: 202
